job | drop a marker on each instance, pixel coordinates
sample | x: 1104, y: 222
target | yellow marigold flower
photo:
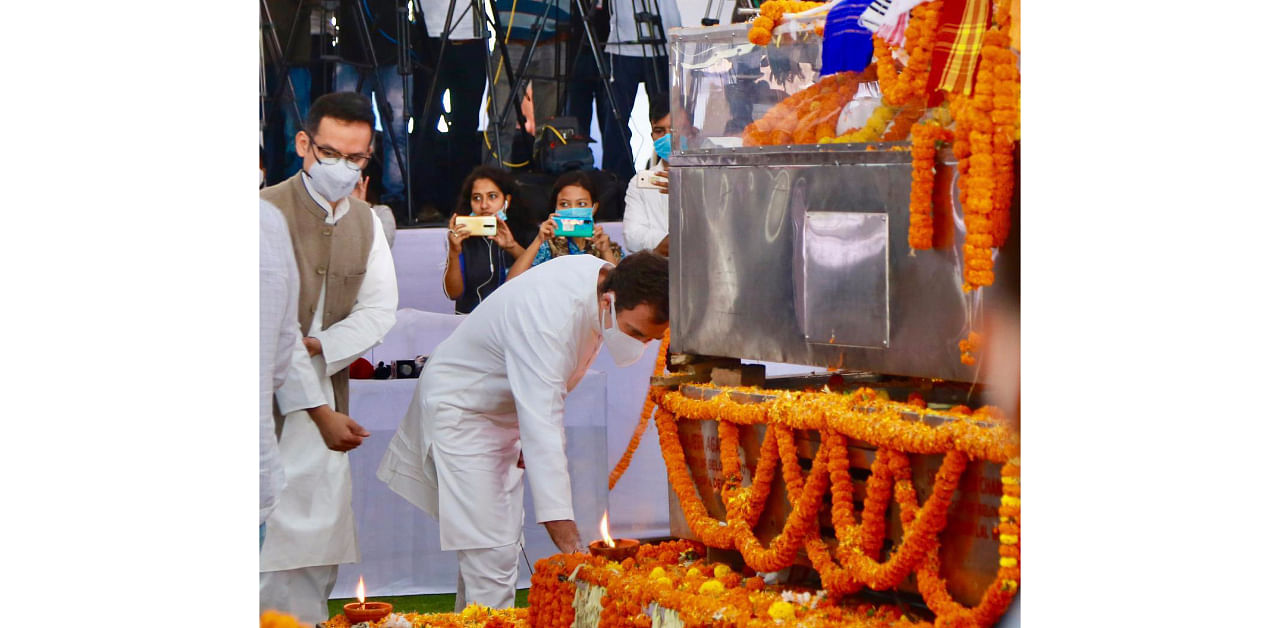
x: 711, y: 587
x: 472, y: 611
x: 693, y: 571
x: 1008, y: 480
x: 722, y: 571
x: 657, y: 573
x: 276, y: 619
x: 1010, y: 501
x: 782, y: 610
x: 664, y: 581
x: 1008, y: 539
x: 1008, y: 561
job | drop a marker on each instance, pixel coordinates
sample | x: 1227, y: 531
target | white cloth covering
x: 303, y: 593
x: 644, y: 221
x: 488, y: 577
x: 313, y: 523
x: 494, y: 388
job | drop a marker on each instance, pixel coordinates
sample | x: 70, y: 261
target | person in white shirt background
x: 644, y: 221
x: 630, y: 64
x: 490, y: 405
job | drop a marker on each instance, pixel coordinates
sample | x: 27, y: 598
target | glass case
x: 722, y: 83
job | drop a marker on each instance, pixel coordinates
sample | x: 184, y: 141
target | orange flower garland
x: 922, y: 31
x: 807, y: 116
x: 680, y: 581
x: 970, y: 346
x: 855, y: 560
x: 659, y: 367
x: 924, y: 148
x: 1000, y: 593
x: 771, y: 14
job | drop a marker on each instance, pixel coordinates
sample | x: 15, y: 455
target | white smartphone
x: 479, y: 225
x: 646, y: 179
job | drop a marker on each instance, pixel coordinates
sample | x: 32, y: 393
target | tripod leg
x: 380, y: 94
x: 604, y: 76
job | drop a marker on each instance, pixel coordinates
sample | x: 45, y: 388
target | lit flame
x: 604, y: 530
x: 360, y: 590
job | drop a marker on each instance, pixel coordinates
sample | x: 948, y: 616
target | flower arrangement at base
x: 674, y: 584
x: 473, y: 616
x: 855, y: 560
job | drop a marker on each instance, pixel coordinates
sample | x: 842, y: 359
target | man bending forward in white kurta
x: 496, y: 388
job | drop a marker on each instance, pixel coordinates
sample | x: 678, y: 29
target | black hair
x: 659, y: 108
x: 343, y: 106
x: 501, y: 178
x: 641, y: 278
x: 579, y: 178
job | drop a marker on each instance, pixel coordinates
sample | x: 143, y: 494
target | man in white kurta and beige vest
x: 347, y: 302
x: 494, y: 391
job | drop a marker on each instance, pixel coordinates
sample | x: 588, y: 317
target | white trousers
x: 303, y: 593
x: 488, y: 576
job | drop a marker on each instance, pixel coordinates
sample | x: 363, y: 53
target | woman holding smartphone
x: 572, y: 190
x: 477, y: 265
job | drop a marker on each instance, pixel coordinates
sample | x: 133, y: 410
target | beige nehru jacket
x: 330, y: 255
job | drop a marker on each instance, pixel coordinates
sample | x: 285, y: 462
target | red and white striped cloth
x: 888, y: 19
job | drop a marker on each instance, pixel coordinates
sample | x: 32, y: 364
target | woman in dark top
x: 477, y: 265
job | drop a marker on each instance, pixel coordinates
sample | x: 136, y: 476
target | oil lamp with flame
x: 357, y: 612
x: 618, y: 550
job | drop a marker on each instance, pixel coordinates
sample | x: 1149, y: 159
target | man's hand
x: 313, y: 345
x: 663, y: 247
x: 564, y: 534
x: 660, y: 181
x: 340, y: 432
x: 361, y: 191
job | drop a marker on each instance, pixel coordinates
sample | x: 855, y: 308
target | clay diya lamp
x: 620, y: 550
x: 357, y: 612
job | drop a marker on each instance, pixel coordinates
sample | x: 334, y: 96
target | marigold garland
x: 855, y: 560
x: 969, y: 347
x: 922, y: 31
x: 806, y: 116
x: 924, y: 147
x: 676, y: 580
x: 659, y: 367
x: 771, y: 12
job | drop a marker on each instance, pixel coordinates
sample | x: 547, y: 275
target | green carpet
x: 441, y: 603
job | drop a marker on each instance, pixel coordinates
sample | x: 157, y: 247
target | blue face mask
x: 502, y: 214
x: 662, y: 146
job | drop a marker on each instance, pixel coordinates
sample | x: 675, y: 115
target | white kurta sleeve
x: 293, y: 378
x: 538, y: 355
x: 640, y: 227
x: 374, y: 312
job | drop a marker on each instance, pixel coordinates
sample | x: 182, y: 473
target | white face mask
x: 333, y: 182
x: 624, y: 349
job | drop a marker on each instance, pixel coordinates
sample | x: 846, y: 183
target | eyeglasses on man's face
x: 328, y: 156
